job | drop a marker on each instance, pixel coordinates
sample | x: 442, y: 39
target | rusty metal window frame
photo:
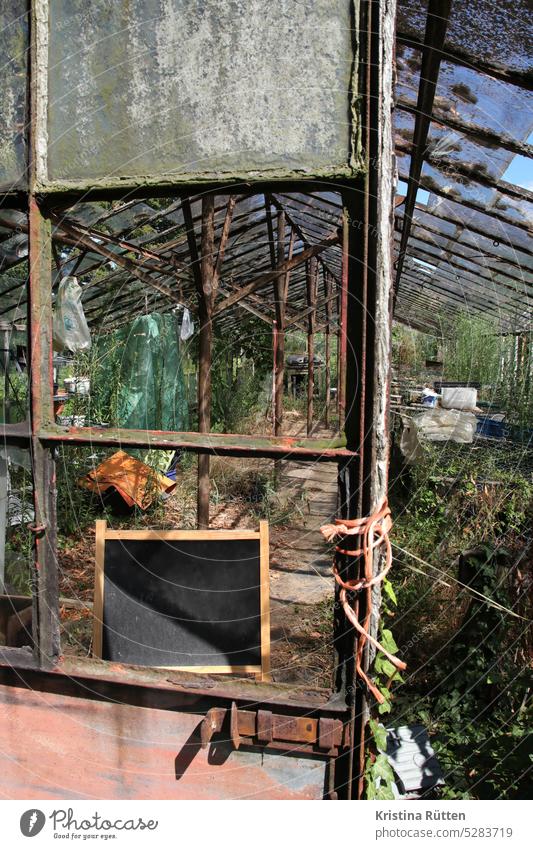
x: 40, y: 433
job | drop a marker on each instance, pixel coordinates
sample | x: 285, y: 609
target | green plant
x: 472, y: 350
x: 410, y: 348
x: 468, y: 662
x: 379, y: 775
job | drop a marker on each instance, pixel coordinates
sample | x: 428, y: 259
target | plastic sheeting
x: 143, y: 360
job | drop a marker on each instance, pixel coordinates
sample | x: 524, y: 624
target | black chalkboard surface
x: 195, y: 600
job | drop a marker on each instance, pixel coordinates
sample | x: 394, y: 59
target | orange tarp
x: 136, y: 482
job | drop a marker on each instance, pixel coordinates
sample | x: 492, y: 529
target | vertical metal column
x: 279, y: 331
x: 327, y: 346
x: 311, y: 303
x: 205, y: 309
x: 45, y: 582
x: 368, y: 239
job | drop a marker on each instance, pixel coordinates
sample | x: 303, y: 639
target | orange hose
x: 374, y: 531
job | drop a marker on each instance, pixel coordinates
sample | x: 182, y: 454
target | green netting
x: 140, y: 380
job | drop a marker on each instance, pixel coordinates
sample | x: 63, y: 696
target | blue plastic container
x: 489, y: 427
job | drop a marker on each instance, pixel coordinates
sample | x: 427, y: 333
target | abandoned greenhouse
x: 266, y: 312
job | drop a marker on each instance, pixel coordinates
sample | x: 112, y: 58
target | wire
x: 468, y: 589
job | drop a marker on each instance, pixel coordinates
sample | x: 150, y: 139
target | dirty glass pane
x: 16, y: 511
x: 14, y: 52
x: 13, y: 308
x: 152, y: 88
x: 123, y: 277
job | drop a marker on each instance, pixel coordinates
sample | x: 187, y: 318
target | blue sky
x: 520, y: 171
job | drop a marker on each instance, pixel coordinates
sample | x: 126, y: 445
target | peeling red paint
x: 57, y: 746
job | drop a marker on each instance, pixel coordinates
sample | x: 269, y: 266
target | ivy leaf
x: 387, y: 641
x: 380, y: 738
x: 388, y: 589
x: 384, y: 793
x: 382, y: 768
x: 382, y: 664
x: 379, y: 734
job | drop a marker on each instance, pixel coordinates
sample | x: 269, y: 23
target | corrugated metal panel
x: 413, y: 759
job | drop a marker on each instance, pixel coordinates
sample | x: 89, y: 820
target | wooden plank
x: 98, y: 601
x: 264, y: 558
x: 181, y: 535
x: 218, y: 670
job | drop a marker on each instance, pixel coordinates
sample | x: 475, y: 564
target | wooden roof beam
x: 436, y: 26
x: 482, y: 135
x: 268, y: 276
x: 523, y: 79
x: 430, y: 186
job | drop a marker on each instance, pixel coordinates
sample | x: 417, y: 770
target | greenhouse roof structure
x: 463, y: 113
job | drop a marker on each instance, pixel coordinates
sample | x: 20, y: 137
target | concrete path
x: 301, y: 580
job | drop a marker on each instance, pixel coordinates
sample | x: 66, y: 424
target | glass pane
x: 151, y: 88
x: 13, y: 316
x: 13, y: 87
x: 16, y: 541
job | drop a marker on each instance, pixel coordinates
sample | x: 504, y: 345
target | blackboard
x: 193, y: 600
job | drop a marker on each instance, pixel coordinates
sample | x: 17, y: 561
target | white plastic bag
x: 187, y: 326
x: 70, y: 329
x: 410, y: 444
x: 447, y: 425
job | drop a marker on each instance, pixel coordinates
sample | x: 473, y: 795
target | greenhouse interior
x: 223, y: 361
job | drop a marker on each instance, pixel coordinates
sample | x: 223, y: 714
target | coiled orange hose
x: 374, y: 533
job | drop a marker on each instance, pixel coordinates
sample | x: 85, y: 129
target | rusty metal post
x: 367, y: 263
x: 45, y: 617
x: 205, y: 303
x: 311, y: 303
x: 280, y: 303
x: 342, y: 343
x: 275, y: 338
x: 327, y: 346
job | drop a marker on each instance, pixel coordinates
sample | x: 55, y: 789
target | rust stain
x: 57, y: 746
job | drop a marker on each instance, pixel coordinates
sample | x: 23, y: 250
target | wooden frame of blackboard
x: 261, y: 672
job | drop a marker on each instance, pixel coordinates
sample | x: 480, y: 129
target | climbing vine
x: 379, y: 775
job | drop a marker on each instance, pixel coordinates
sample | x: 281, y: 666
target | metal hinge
x: 324, y: 735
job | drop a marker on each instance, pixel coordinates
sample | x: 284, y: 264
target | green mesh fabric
x: 141, y: 364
